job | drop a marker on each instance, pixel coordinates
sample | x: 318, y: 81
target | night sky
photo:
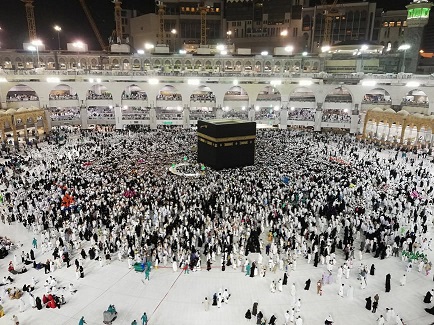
x: 69, y: 15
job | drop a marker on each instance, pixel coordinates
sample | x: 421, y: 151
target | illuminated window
x: 385, y: 24
x: 404, y: 23
x: 182, y: 8
x: 410, y: 13
x: 217, y: 9
x: 187, y: 9
x: 392, y: 24
x: 398, y: 24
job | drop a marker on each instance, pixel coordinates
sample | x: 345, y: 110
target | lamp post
x: 79, y: 45
x: 174, y: 32
x: 149, y: 47
x: 58, y: 29
x: 228, y: 34
x: 363, y: 48
x: 36, y: 43
x: 404, y: 47
x: 32, y: 49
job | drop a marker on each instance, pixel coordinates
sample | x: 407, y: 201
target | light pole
x: 58, y: 29
x: 229, y: 33
x: 149, y: 47
x: 174, y: 34
x: 32, y: 49
x: 79, y: 45
x: 404, y: 47
x: 36, y: 43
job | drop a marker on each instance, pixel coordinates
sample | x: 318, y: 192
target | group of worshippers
x: 113, y: 191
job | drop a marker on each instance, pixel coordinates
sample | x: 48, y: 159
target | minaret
x: 417, y: 18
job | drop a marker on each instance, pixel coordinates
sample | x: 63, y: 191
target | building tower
x: 417, y: 18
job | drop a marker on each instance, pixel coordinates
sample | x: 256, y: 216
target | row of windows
x: 196, y: 9
x: 395, y: 24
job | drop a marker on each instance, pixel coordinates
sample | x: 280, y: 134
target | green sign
x: 167, y: 122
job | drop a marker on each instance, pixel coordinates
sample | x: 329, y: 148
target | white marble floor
x: 173, y: 298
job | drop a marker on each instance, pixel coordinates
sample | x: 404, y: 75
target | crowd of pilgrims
x: 114, y: 191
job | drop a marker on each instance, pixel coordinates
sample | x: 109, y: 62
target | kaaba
x: 226, y: 143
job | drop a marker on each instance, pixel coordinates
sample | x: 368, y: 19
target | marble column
x: 153, y: 118
x: 318, y: 117
x: 283, y: 125
x: 186, y: 118
x: 84, y: 116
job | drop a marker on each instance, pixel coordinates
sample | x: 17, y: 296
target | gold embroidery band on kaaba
x: 228, y: 139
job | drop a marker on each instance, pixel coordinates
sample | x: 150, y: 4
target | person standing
x: 145, y: 318
x: 287, y: 317
x: 428, y: 296
x: 374, y: 306
x: 403, y: 280
x: 255, y: 309
x: 307, y: 285
x: 247, y: 269
x: 205, y: 304
x: 15, y: 320
x: 248, y: 315
x: 372, y: 271
x: 341, y: 291
x: 318, y: 287
x: 388, y: 282
x: 82, y: 321
x: 368, y: 305
x: 208, y: 265
x: 381, y: 320
x: 35, y: 243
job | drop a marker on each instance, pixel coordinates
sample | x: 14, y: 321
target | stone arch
x: 340, y: 95
x: 277, y: 66
x: 208, y: 65
x: 157, y: 64
x: 99, y: 91
x: 63, y: 92
x: 29, y: 63
x: 115, y: 64
x: 377, y: 96
x: 134, y: 92
x: 302, y: 94
x: 269, y: 94
x: 62, y: 64
x: 7, y: 63
x: 188, y: 65
x: 51, y: 64
x: 19, y: 63
x: 416, y: 96
x: 198, y: 65
x: 136, y: 64
x: 169, y: 93
x: 177, y: 65
x: 267, y: 66
x: 126, y: 64
x: 203, y: 94
x: 20, y: 93
x: 416, y: 101
x: 236, y: 93
x: 83, y: 63
x: 258, y: 66
x: 147, y: 64
x: 94, y: 64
